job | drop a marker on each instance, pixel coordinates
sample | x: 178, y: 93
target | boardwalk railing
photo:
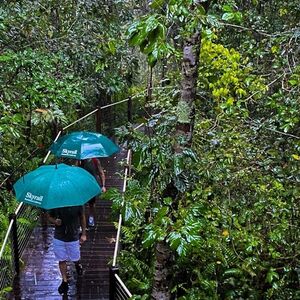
x: 118, y: 290
x: 15, y: 242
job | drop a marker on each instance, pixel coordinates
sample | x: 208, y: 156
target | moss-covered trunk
x: 161, y: 285
x: 161, y: 289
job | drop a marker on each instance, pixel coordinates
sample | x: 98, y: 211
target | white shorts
x: 66, y: 251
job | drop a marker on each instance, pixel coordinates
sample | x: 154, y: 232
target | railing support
x: 112, y: 282
x: 129, y: 109
x: 98, y: 120
x: 13, y: 217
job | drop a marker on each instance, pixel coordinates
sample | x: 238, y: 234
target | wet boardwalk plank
x: 40, y: 275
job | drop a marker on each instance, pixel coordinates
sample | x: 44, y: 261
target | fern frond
x: 210, y: 269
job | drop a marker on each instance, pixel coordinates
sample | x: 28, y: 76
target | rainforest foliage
x: 213, y: 197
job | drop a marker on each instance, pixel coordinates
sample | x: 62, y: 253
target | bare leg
x: 78, y: 267
x: 92, y: 211
x: 63, y: 270
x: 63, y: 288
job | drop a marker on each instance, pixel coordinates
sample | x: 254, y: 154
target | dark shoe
x: 91, y: 228
x: 63, y: 288
x: 79, y: 269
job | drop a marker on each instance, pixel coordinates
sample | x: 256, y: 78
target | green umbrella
x: 83, y: 145
x: 53, y: 186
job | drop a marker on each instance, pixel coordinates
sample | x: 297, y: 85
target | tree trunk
x: 161, y: 285
x: 161, y: 289
x: 29, y: 123
x: 190, y: 64
x: 148, y: 109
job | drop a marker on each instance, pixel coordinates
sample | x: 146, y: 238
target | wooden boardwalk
x: 40, y: 275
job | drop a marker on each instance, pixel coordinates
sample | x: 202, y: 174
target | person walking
x: 93, y: 166
x: 67, y: 239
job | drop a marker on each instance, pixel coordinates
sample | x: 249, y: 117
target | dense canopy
x: 212, y: 206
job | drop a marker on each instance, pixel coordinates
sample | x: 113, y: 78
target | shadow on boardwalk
x: 40, y: 275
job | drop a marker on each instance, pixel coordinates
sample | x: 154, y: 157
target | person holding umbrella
x: 66, y: 242
x: 62, y: 191
x: 86, y: 147
x: 93, y: 166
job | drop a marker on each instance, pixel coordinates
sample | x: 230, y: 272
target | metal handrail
x: 16, y: 238
x: 123, y: 292
x: 6, y: 237
x: 119, y: 289
x: 9, y: 230
x: 48, y: 153
x: 126, y: 173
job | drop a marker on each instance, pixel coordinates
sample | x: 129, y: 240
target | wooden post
x: 112, y: 282
x: 98, y: 120
x: 15, y: 243
x: 129, y: 110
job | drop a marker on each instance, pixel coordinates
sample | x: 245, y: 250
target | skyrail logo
x: 67, y: 152
x: 33, y: 198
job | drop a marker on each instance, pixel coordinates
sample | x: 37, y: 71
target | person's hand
x: 103, y: 189
x: 57, y: 222
x: 82, y: 238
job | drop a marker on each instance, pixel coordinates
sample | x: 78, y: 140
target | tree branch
x: 256, y: 30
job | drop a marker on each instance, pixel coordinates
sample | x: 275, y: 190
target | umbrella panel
x: 83, y: 145
x: 54, y: 186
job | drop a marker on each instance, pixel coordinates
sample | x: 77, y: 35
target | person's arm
x: 101, y: 174
x: 52, y: 219
x: 83, y: 227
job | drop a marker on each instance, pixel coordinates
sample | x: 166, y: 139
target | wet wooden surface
x: 40, y: 276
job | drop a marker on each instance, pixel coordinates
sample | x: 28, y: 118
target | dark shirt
x: 90, y: 165
x: 68, y: 231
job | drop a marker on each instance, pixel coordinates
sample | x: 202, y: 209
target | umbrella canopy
x: 53, y: 186
x: 83, y: 145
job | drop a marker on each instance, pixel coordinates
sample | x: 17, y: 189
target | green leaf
x: 174, y: 239
x: 178, y: 165
x: 271, y: 275
x: 182, y: 249
x: 155, y: 4
x: 112, y: 47
x: 293, y: 82
x: 133, y: 28
x: 162, y: 212
x: 151, y: 24
x: 233, y: 272
x: 201, y: 11
x: 152, y: 60
x: 227, y: 8
x: 6, y: 57
x: 150, y: 238
x: 228, y: 16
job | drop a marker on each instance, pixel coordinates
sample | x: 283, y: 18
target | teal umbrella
x: 52, y: 186
x: 83, y: 145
